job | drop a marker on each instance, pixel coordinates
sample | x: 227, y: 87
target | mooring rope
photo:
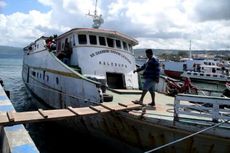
x: 55, y: 90
x: 72, y: 96
x: 186, y: 137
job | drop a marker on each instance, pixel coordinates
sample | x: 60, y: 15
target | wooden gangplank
x: 11, y: 118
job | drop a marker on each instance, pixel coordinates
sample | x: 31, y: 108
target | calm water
x: 49, y: 137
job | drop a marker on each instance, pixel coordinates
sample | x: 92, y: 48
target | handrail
x: 209, y: 107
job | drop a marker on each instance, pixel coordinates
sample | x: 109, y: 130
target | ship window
x: 125, y: 45
x: 57, y: 80
x: 110, y: 42
x: 33, y: 73
x: 82, y: 39
x: 118, y: 43
x: 189, y: 73
x: 208, y: 75
x: 44, y: 75
x: 213, y: 70
x: 201, y: 74
x: 102, y: 41
x: 130, y: 47
x: 59, y: 45
x: 93, y: 40
x: 74, y: 40
x: 195, y: 74
x: 214, y: 75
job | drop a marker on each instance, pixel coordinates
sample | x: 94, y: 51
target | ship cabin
x: 100, y: 55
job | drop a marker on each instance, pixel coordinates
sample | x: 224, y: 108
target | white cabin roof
x: 100, y: 31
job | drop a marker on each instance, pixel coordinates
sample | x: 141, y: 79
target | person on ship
x: 67, y: 52
x: 50, y: 43
x: 151, y: 77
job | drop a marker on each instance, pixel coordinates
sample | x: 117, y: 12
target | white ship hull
x: 55, y: 83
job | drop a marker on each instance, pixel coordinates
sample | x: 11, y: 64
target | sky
x: 158, y: 24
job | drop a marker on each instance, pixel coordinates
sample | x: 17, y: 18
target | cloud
x: 19, y: 28
x: 212, y: 10
x: 171, y: 24
x: 2, y: 4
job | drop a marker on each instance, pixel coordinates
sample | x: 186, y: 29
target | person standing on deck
x: 67, y: 52
x: 151, y: 77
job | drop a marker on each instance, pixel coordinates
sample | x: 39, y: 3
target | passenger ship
x: 100, y: 58
x: 208, y: 73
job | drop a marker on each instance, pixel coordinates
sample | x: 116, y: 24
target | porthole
x: 57, y: 80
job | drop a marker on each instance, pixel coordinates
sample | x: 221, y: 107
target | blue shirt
x: 151, y: 69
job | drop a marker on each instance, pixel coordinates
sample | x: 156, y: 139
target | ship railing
x: 208, y: 108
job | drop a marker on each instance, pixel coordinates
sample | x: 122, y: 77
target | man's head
x: 149, y: 53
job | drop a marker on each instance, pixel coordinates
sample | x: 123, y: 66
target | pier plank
x: 42, y: 113
x: 59, y: 113
x: 25, y: 116
x: 102, y: 109
x: 84, y: 111
x: 10, y: 118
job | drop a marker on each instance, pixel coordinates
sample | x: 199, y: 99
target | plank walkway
x: 12, y: 117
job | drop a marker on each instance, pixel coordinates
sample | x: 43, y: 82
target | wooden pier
x: 12, y: 117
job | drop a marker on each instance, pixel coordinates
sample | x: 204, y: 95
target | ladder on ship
x: 12, y: 117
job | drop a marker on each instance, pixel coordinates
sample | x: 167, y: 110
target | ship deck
x: 191, y: 108
x: 164, y: 104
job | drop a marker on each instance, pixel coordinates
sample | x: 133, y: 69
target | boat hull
x: 56, y: 84
x: 140, y: 135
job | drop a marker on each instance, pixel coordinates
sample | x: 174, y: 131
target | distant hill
x: 9, y: 48
x: 157, y: 52
x: 12, y: 52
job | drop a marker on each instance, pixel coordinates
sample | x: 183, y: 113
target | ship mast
x: 97, y: 19
x: 190, y: 50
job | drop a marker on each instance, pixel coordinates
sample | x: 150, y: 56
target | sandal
x: 138, y: 102
x: 152, y: 104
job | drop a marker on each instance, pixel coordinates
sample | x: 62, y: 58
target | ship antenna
x: 97, y: 19
x: 190, y: 50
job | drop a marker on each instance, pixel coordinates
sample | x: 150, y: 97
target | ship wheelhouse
x: 102, y: 55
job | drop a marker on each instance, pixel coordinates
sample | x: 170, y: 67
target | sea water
x: 49, y: 137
